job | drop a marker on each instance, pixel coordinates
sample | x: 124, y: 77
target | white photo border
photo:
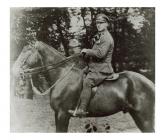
x: 5, y: 66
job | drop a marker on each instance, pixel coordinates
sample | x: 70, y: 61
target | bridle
x: 57, y: 82
x: 41, y: 69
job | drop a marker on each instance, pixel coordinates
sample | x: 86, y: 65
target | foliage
x: 133, y: 30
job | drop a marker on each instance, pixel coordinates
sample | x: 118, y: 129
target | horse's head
x: 32, y: 56
x: 29, y: 58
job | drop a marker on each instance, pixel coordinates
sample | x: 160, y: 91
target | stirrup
x: 72, y: 112
x: 75, y: 114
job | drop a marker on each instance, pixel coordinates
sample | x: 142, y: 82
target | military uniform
x: 101, y: 54
x: 99, y: 65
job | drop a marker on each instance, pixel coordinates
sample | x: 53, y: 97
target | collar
x: 103, y: 32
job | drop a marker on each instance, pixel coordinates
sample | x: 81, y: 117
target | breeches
x: 92, y: 79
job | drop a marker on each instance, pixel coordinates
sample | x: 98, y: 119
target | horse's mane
x: 46, y: 46
x: 75, y: 58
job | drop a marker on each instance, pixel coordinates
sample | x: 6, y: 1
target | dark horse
x: 131, y: 92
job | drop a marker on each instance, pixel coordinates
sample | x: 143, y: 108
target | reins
x: 36, y: 91
x: 40, y: 69
x: 47, y: 68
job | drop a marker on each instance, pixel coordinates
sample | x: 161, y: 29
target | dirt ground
x: 37, y: 116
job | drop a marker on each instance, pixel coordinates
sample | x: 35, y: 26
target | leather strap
x: 36, y: 91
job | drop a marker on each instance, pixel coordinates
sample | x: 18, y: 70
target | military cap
x: 102, y: 18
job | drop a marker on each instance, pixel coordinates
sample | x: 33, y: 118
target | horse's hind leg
x: 144, y: 123
x: 62, y: 121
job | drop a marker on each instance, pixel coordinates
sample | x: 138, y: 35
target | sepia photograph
x: 82, y: 69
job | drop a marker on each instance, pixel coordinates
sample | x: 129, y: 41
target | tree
x: 133, y: 30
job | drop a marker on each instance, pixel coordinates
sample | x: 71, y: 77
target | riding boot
x: 84, y: 100
x: 85, y: 97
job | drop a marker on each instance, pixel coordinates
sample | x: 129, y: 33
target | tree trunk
x: 63, y: 40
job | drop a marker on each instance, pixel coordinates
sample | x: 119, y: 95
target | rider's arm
x: 104, y: 46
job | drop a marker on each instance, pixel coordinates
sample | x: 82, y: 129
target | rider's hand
x: 84, y: 51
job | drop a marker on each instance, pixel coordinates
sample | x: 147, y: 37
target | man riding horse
x: 99, y: 65
x: 131, y: 92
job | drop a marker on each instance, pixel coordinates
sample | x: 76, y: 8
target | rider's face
x: 101, y: 26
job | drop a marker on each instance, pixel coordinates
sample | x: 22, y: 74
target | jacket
x: 101, y: 54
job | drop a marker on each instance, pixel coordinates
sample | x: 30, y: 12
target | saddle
x: 112, y: 77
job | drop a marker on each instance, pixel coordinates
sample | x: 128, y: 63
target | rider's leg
x: 92, y: 79
x: 88, y: 83
x: 86, y: 94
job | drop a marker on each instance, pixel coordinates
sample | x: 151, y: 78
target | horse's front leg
x: 62, y: 121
